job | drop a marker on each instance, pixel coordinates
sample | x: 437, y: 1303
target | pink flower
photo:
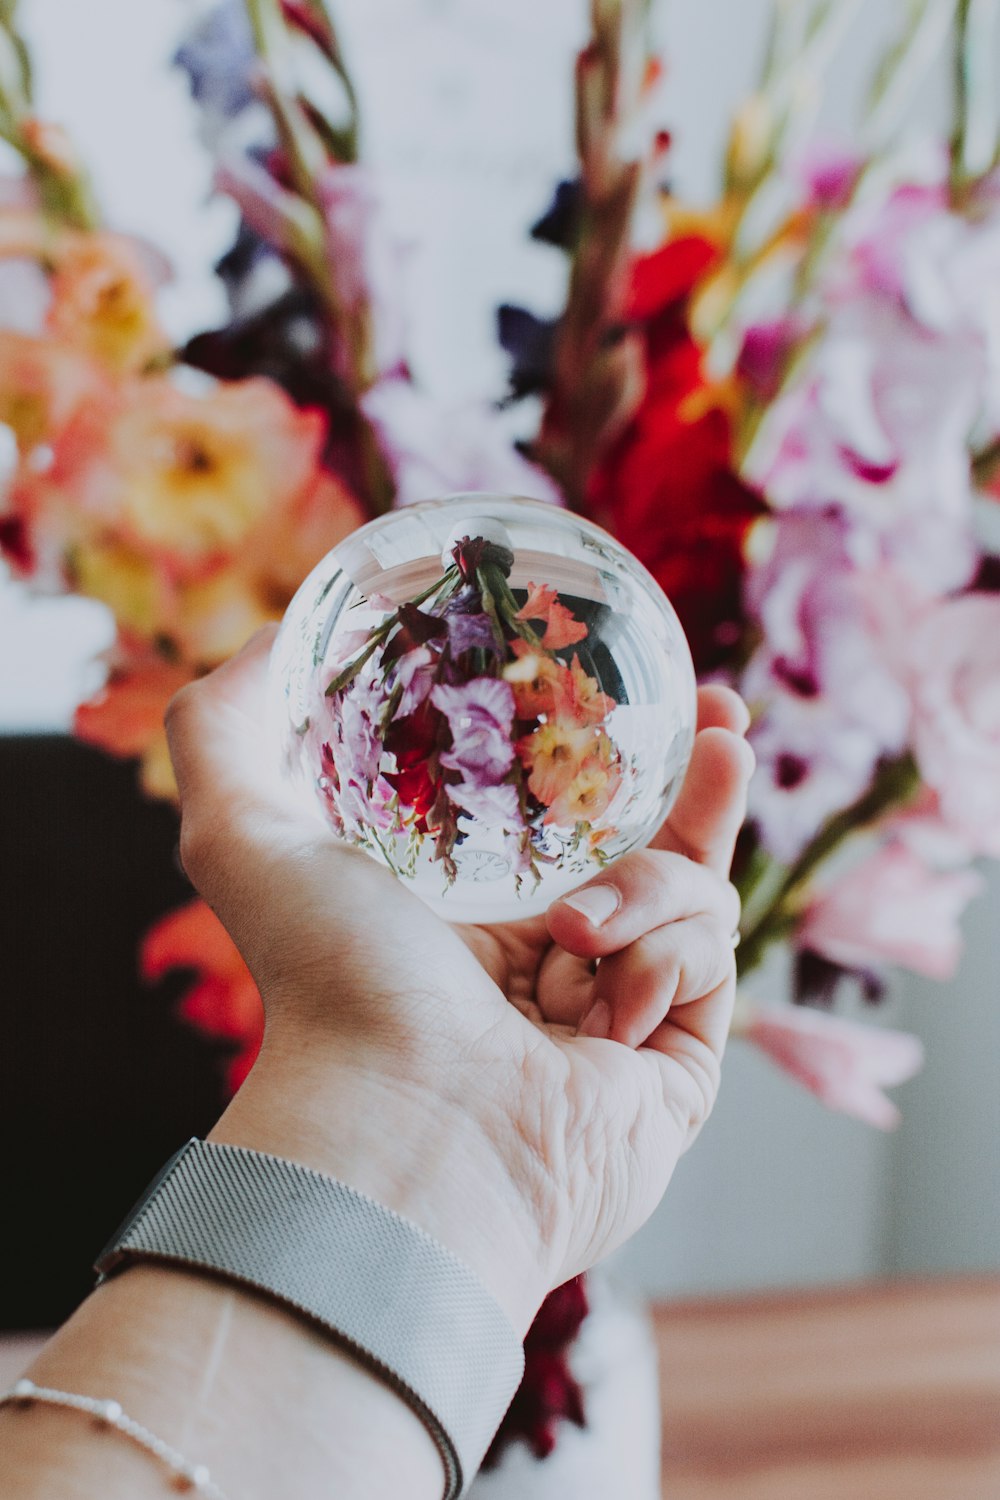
x: 878, y: 423
x: 845, y: 1064
x: 435, y: 449
x: 414, y: 673
x: 810, y: 764
x: 954, y: 676
x: 891, y: 909
x: 480, y: 714
x: 826, y: 672
x: 764, y: 353
x: 367, y: 262
x: 491, y: 806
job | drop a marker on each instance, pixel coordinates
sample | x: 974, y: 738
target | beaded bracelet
x: 185, y: 1475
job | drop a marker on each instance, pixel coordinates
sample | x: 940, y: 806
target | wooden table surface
x: 875, y: 1393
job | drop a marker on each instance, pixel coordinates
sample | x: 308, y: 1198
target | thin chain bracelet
x: 185, y: 1475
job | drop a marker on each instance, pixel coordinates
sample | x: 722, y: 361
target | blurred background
x: 467, y: 108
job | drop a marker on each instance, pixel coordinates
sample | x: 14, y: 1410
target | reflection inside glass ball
x: 490, y: 696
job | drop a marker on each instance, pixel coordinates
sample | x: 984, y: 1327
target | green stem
x: 67, y: 197
x: 974, y: 143
x: 894, y: 784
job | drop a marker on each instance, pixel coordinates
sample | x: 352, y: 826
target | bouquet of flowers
x: 789, y: 411
x: 422, y: 729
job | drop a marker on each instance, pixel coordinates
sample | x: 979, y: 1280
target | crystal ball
x: 487, y: 694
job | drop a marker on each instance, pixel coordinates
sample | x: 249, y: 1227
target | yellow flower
x: 134, y: 588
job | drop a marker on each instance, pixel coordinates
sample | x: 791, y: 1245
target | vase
x: 617, y: 1452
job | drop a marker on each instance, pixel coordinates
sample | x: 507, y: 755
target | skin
x: 523, y: 1103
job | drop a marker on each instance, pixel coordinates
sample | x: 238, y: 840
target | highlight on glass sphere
x: 489, y: 695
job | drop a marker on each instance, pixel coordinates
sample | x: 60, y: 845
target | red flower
x: 666, y: 487
x: 549, y: 1392
x: 413, y: 741
x: 223, y: 1001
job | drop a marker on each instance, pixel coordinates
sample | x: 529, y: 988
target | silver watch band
x: 403, y: 1304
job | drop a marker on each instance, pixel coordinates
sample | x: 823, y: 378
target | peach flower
x: 561, y: 629
x: 184, y: 478
x: 103, y: 300
x: 538, y: 680
x: 126, y: 719
x: 42, y: 383
x: 591, y: 791
x: 554, y: 755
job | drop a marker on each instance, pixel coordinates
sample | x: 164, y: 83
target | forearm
x: 269, y: 1404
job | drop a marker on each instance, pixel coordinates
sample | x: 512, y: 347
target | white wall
x: 467, y: 108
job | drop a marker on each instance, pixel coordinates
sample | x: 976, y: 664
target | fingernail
x: 597, y: 1021
x: 595, y: 902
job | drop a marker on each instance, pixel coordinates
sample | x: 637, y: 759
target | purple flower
x: 470, y: 633
x: 218, y: 57
x: 492, y: 806
x: 829, y: 174
x: 480, y: 714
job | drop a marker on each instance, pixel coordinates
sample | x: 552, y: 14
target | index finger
x: 710, y: 810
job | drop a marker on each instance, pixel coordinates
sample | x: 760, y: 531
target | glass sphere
x: 489, y: 695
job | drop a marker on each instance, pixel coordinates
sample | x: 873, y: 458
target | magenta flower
x: 480, y: 714
x: 845, y: 1064
x: 891, y: 909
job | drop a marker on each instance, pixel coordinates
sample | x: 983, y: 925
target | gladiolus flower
x: 479, y: 715
x: 953, y: 669
x: 554, y: 755
x: 538, y: 680
x: 561, y: 629
x: 224, y: 1001
x: 845, y: 1064
x: 589, y: 794
x: 41, y: 385
x: 103, y: 301
x: 183, y: 477
x: 126, y: 719
x: 891, y: 909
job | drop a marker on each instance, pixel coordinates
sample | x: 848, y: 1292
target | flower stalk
x: 772, y: 894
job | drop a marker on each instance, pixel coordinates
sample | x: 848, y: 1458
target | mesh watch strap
x: 404, y: 1304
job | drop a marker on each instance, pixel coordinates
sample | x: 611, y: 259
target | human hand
x: 486, y: 1081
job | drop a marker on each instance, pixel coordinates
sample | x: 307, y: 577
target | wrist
x: 421, y: 1154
